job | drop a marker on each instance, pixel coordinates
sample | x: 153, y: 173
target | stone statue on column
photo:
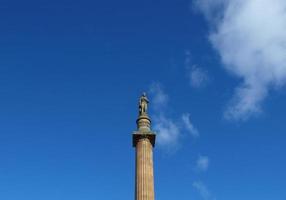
x: 143, y: 104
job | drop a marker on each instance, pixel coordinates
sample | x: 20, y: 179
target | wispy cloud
x: 159, y: 97
x: 198, y: 77
x: 202, y: 163
x: 169, y: 130
x: 250, y: 38
x: 203, y: 190
x: 189, y: 125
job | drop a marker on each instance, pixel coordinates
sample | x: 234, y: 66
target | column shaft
x: 144, y: 170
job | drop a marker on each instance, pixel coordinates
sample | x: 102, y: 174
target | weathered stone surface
x: 144, y: 170
x: 144, y: 141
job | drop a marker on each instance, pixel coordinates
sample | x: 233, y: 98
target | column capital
x: 137, y: 135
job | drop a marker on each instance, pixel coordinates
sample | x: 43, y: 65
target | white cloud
x: 203, y: 190
x: 167, y: 131
x: 202, y: 163
x: 189, y: 125
x: 159, y: 97
x: 198, y: 77
x: 250, y: 38
x: 210, y: 8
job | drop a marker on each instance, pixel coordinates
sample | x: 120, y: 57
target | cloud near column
x: 169, y: 130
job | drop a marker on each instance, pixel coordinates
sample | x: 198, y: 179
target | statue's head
x: 144, y: 94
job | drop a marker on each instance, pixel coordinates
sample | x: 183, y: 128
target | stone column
x: 144, y: 170
x: 144, y: 141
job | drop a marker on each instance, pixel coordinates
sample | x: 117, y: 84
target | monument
x: 144, y: 141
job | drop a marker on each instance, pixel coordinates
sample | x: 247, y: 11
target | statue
x: 143, y: 104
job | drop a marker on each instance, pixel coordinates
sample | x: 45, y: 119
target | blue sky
x: 71, y: 73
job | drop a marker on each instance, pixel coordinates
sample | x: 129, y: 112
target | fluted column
x: 144, y: 141
x: 144, y: 170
